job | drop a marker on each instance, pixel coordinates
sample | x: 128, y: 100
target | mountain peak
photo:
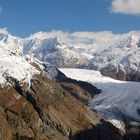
x: 129, y: 40
x: 55, y: 40
x: 13, y: 64
x: 3, y: 34
x: 3, y: 31
x: 135, y: 40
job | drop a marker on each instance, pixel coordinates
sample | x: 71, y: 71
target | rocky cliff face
x: 114, y: 72
x: 48, y: 111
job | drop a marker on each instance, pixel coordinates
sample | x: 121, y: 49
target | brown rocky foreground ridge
x: 52, y: 110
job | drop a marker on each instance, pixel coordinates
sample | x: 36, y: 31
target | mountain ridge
x: 38, y: 102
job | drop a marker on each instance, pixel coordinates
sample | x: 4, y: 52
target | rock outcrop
x: 114, y: 72
x: 47, y: 112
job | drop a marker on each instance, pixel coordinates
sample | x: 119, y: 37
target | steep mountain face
x: 13, y: 64
x: 34, y: 107
x: 51, y: 50
x: 47, y: 111
x: 14, y: 43
x: 120, y: 61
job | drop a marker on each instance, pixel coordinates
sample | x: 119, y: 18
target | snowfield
x: 119, y: 100
x: 14, y: 64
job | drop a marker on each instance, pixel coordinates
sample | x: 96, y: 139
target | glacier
x: 119, y: 100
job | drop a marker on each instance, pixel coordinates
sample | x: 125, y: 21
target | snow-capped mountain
x: 14, y: 43
x: 118, y: 102
x: 119, y: 60
x: 55, y: 52
x: 13, y: 64
x: 33, y: 106
x: 123, y: 56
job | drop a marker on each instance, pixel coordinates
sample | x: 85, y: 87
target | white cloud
x: 95, y: 40
x: 126, y: 6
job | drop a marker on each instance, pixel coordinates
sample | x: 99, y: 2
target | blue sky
x: 23, y: 17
